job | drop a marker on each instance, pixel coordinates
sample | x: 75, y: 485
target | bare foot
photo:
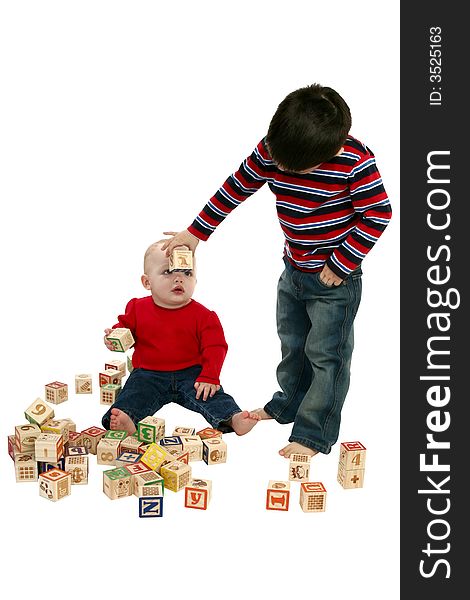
x: 263, y: 415
x: 295, y: 448
x: 244, y: 421
x: 120, y: 420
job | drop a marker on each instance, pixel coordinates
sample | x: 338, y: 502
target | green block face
x: 115, y: 434
x: 146, y: 433
x: 117, y: 346
x: 120, y: 473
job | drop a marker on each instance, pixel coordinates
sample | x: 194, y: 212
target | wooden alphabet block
x: 47, y: 466
x: 137, y: 468
x: 117, y: 483
x: 107, y: 451
x: 77, y: 466
x: 11, y: 446
x: 175, y: 475
x: 49, y: 447
x: 172, y: 442
x: 352, y: 455
x: 155, y: 456
x: 354, y: 478
x: 312, y: 496
x: 184, y: 431
x: 127, y: 458
x: 209, y: 432
x: 110, y: 376
x: 60, y: 426
x: 130, y: 366
x: 299, y: 467
x: 26, y: 436
x: 76, y: 451
x: 197, y: 494
x: 181, y: 259
x: 109, y: 393
x: 91, y: 437
x: 131, y: 444
x: 277, y: 496
x: 121, y: 339
x: 151, y: 506
x: 84, y: 383
x: 75, y: 439
x: 56, y: 392
x: 55, y: 484
x: 39, y: 412
x: 180, y: 455
x: 26, y: 467
x: 120, y: 365
x: 214, y: 451
x: 146, y: 481
x: 71, y: 424
x: 151, y: 429
x: 193, y: 445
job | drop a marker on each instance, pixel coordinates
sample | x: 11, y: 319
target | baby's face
x: 169, y: 290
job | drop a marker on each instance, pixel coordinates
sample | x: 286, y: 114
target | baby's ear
x: 145, y: 281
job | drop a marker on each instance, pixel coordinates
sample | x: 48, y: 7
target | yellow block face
x: 154, y: 456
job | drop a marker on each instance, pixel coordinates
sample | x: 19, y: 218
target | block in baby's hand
x: 181, y: 259
x: 121, y: 339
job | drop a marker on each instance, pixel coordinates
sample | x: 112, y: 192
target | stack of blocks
x: 352, y: 462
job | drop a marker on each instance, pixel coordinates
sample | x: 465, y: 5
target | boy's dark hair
x: 308, y: 128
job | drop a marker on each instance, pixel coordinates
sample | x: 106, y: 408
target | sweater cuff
x: 204, y: 379
x: 337, y: 270
x: 198, y: 234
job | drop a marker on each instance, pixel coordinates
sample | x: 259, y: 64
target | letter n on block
x: 277, y: 496
x: 151, y: 506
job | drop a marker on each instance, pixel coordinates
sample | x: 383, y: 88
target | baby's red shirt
x: 173, y: 339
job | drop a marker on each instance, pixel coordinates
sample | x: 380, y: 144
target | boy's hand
x: 329, y: 278
x: 205, y: 390
x: 107, y: 343
x: 183, y: 238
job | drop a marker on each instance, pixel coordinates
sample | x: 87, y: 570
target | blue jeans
x: 315, y: 325
x: 146, y: 391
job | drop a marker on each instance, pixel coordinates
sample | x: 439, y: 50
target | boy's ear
x: 145, y: 281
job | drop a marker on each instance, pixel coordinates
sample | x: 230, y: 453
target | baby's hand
x: 107, y: 343
x: 183, y: 238
x: 205, y: 390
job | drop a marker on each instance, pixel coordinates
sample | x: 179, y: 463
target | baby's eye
x: 188, y: 273
x: 166, y: 272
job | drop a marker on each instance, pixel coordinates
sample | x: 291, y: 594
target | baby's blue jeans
x: 145, y: 392
x: 315, y: 325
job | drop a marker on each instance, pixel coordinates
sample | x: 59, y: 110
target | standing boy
x: 332, y: 208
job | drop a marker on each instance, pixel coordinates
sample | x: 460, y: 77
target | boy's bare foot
x: 296, y: 448
x: 120, y: 420
x: 244, y: 421
x: 263, y: 415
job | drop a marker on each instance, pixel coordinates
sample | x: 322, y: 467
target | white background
x: 118, y: 121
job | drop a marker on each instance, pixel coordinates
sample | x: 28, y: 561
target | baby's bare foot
x: 244, y: 421
x: 263, y: 415
x: 120, y: 420
x: 295, y: 448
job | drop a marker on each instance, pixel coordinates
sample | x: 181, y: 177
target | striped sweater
x: 333, y: 214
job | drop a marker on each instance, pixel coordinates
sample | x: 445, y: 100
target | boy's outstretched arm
x: 183, y: 238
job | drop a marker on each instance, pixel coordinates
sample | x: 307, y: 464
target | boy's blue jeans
x: 315, y: 325
x: 146, y: 391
